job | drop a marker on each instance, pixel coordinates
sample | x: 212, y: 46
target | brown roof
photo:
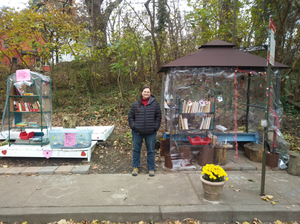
x: 219, y: 53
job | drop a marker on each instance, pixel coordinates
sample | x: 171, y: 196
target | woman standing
x: 144, y: 120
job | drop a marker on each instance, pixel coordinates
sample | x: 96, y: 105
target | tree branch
x: 138, y: 16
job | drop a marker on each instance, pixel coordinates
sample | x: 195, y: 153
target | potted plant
x: 213, y: 179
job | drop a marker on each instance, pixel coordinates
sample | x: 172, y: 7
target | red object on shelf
x: 199, y: 141
x: 24, y: 136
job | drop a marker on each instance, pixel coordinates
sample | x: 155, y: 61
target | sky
x: 14, y: 3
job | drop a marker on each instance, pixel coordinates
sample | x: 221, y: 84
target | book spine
x: 23, y: 106
x: 20, y: 106
x: 26, y: 106
x: 29, y: 107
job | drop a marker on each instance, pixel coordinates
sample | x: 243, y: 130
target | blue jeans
x: 137, y: 140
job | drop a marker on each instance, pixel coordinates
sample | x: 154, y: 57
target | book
x: 184, y: 107
x: 38, y: 103
x: 15, y: 106
x: 23, y: 106
x: 26, y: 106
x: 181, y: 126
x: 20, y: 106
x: 19, y: 90
x: 185, y: 123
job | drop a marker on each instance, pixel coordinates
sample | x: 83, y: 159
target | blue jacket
x: 148, y: 120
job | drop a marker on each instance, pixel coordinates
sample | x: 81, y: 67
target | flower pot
x: 206, y: 156
x: 164, y: 146
x: 168, y: 161
x: 212, y: 190
x: 272, y: 159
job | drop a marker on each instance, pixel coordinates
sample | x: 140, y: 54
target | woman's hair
x: 140, y: 98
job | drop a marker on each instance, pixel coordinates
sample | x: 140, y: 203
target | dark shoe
x: 151, y: 173
x: 135, y: 171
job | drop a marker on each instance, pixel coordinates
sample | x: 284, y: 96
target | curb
x: 204, y: 213
x: 84, y: 169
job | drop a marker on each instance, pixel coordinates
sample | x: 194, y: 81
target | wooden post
x: 70, y: 121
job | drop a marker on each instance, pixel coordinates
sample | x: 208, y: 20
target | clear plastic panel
x: 37, y: 89
x: 186, y: 83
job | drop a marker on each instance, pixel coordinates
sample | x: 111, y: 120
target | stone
x: 81, y: 169
x: 254, y: 151
x: 32, y: 170
x: 47, y: 170
x: 294, y: 163
x: 63, y: 170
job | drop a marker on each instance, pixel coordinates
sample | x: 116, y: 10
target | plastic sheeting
x: 195, y: 85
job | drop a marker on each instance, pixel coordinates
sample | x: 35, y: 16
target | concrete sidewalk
x: 122, y: 197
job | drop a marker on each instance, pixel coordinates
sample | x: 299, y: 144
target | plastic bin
x: 70, y: 138
x: 199, y: 141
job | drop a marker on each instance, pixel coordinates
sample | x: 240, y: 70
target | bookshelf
x: 28, y: 109
x: 194, y: 115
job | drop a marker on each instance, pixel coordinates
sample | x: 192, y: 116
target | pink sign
x: 23, y: 75
x: 70, y: 139
x: 47, y: 153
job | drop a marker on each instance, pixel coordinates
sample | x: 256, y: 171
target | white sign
x: 272, y: 45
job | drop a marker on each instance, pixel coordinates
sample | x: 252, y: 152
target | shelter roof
x: 219, y: 53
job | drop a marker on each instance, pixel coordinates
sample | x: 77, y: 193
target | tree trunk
x: 100, y: 18
x: 152, y: 22
x: 296, y: 88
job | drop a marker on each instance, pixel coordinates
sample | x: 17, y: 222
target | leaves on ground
x: 168, y: 221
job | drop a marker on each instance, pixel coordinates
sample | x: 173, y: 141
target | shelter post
x: 171, y: 111
x: 248, y: 102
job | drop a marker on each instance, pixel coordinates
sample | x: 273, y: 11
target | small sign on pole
x: 271, y: 52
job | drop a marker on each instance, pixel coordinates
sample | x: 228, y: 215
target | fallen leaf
x: 278, y: 222
x: 28, y: 174
x: 245, y: 222
x: 95, y: 167
x: 264, y: 198
x: 251, y: 180
x: 237, y: 190
x: 124, y: 172
x: 269, y: 197
x: 231, y: 186
x: 273, y: 203
x: 100, y: 157
x: 122, y: 189
x: 288, y: 207
x: 5, y: 166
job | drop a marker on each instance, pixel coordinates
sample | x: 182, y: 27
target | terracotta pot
x: 212, y: 190
x: 272, y: 159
